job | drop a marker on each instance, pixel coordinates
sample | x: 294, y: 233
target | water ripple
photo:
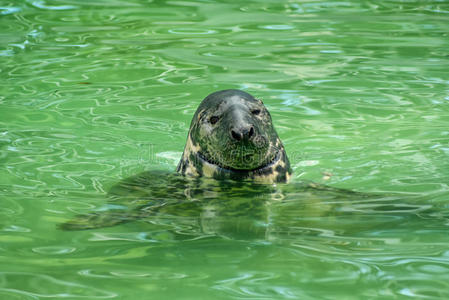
x: 42, y: 5
x: 54, y: 250
x: 37, y: 285
x: 9, y: 10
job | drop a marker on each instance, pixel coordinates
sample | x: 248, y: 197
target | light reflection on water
x: 98, y: 91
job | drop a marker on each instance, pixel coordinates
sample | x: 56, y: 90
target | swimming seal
x: 231, y: 136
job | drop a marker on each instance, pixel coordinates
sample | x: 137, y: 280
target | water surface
x: 93, y: 92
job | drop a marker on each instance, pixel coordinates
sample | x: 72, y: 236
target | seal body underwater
x: 231, y: 136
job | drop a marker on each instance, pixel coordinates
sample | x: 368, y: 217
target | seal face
x: 232, y: 136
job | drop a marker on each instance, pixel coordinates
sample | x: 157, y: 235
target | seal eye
x: 255, y: 112
x: 213, y: 119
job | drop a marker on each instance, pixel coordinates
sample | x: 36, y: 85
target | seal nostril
x: 251, y: 132
x: 237, y: 136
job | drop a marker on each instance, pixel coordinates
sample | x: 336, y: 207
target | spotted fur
x: 231, y: 136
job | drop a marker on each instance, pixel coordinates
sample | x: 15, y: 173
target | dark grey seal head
x: 232, y: 137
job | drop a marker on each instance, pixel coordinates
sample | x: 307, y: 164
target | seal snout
x: 241, y: 126
x: 242, y: 133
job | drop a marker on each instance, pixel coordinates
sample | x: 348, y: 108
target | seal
x: 231, y: 136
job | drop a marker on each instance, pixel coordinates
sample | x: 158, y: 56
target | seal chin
x: 219, y: 167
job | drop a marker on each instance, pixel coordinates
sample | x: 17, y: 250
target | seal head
x: 232, y: 136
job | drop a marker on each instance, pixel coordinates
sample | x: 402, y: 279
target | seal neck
x: 268, y: 173
x: 259, y: 169
x: 193, y: 163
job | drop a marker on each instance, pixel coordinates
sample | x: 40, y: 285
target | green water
x: 96, y: 91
